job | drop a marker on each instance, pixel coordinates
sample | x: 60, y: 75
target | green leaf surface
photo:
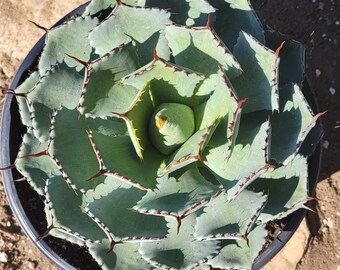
x: 120, y: 158
x: 137, y: 120
x: 223, y: 219
x: 237, y: 254
x: 63, y: 206
x: 200, y: 50
x: 25, y: 88
x: 178, y: 194
x: 291, y: 126
x: 222, y: 101
x: 191, y: 151
x: 37, y: 169
x: 104, y: 93
x: 169, y: 83
x: 60, y: 86
x: 71, y: 148
x: 122, y: 223
x: 188, y: 12
x: 96, y: 6
x: 41, y: 120
x: 66, y: 235
x: 60, y: 41
x: 292, y: 57
x: 179, y: 250
x: 258, y: 82
x: 118, y: 29
x: 312, y: 140
x: 123, y: 256
x: 233, y: 16
x: 294, y: 178
x: 248, y: 159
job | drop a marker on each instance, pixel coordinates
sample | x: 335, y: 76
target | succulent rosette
x: 166, y: 134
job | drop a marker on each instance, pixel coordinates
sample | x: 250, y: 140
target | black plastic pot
x: 12, y: 130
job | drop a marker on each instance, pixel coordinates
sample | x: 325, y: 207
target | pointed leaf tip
x: 208, y: 25
x: 277, y: 52
x: 39, y: 26
x: 155, y: 56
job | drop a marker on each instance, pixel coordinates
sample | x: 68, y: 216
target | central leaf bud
x: 171, y: 124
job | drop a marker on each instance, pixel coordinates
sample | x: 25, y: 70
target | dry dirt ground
x: 316, y: 23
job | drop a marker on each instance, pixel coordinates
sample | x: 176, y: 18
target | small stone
x: 3, y: 257
x: 337, y: 23
x: 30, y: 265
x: 2, y: 242
x: 330, y: 223
x: 317, y: 73
x: 8, y: 224
x: 325, y: 144
x: 332, y: 90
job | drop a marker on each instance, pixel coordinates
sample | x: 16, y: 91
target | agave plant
x: 166, y: 134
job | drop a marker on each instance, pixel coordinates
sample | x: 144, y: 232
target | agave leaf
x: 120, y: 159
x: 60, y: 86
x: 179, y: 250
x: 71, y: 154
x: 178, y: 194
x: 123, y: 256
x: 41, y: 120
x: 292, y: 57
x: 64, y: 234
x: 122, y: 222
x: 60, y: 41
x: 288, y: 135
x: 259, y: 80
x: 222, y: 104
x: 139, y: 3
x: 68, y: 217
x: 169, y: 83
x: 96, y: 6
x: 118, y: 29
x: 294, y: 177
x: 36, y: 168
x: 188, y: 12
x: 104, y: 93
x: 137, y: 120
x: 249, y: 158
x: 312, y: 140
x: 233, y: 16
x: 238, y: 254
x: 25, y: 88
x: 190, y: 151
x: 103, y: 189
x: 200, y: 50
x: 223, y: 219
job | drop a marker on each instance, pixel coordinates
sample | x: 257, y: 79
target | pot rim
x: 293, y: 220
